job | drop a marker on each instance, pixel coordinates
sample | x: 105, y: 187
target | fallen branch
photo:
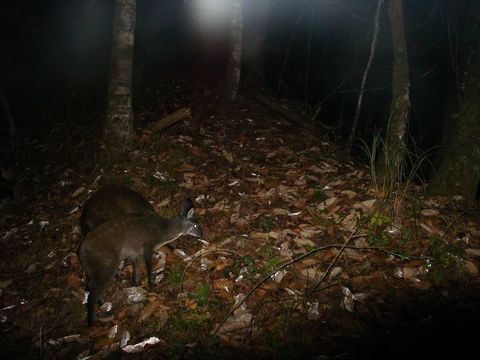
x: 301, y: 257
x: 288, y: 115
x: 322, y: 279
x: 288, y: 263
x: 171, y: 119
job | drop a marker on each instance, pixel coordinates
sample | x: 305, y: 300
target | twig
x: 288, y: 263
x: 296, y: 303
x: 311, y: 252
x: 373, y: 47
x: 322, y: 279
x: 202, y: 253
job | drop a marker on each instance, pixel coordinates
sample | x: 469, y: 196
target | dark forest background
x: 55, y: 52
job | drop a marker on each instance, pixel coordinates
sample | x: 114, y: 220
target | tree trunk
x: 459, y: 171
x: 254, y: 46
x: 394, y: 146
x: 235, y: 58
x: 119, y: 117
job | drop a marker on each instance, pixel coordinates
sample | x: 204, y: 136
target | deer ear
x: 190, y: 213
x: 187, y: 205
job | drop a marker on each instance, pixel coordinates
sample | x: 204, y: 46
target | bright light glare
x: 209, y: 15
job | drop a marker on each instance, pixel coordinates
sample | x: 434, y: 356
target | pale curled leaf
x: 430, y: 212
x: 138, y: 348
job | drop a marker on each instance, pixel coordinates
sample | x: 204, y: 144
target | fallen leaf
x: 227, y: 155
x: 5, y: 283
x: 148, y: 310
x: 430, y: 212
x: 471, y: 267
x: 191, y: 304
x: 312, y: 274
x: 473, y: 252
x: 350, y: 194
x: 78, y: 191
x: 73, y: 280
x: 304, y: 242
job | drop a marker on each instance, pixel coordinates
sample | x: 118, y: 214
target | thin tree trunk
x: 118, y: 125
x: 235, y: 59
x: 459, y: 172
x: 373, y: 48
x: 394, y: 147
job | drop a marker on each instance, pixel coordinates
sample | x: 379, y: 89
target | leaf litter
x: 276, y: 210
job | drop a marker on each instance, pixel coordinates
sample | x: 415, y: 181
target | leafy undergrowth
x: 300, y: 256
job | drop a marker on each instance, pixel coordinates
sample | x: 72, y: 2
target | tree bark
x: 394, y: 147
x: 459, y: 171
x: 119, y: 116
x: 235, y: 58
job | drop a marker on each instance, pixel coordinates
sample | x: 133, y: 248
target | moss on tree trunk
x: 394, y: 149
x: 119, y: 115
x: 235, y: 58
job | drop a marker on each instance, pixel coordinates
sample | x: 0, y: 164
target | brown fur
x: 129, y: 236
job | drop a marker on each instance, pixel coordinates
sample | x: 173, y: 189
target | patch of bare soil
x: 301, y: 257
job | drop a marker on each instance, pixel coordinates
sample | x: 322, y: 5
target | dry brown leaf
x: 430, y: 212
x: 303, y: 242
x: 431, y: 229
x: 353, y: 254
x: 312, y: 274
x: 222, y: 264
x: 471, y: 267
x: 227, y: 155
x: 191, y: 304
x: 78, y: 191
x: 350, y: 221
x: 315, y: 169
x: 221, y: 286
x: 103, y: 342
x: 184, y: 168
x: 313, y: 178
x: 423, y: 284
x: 5, y: 283
x: 331, y: 230
x: 350, y: 194
x: 259, y: 236
x: 473, y: 252
x: 145, y: 139
x: 73, y: 281
x: 148, y: 310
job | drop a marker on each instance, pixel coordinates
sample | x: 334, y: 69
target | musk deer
x: 129, y: 236
x: 111, y: 201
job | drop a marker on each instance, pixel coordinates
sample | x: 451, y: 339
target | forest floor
x: 302, y: 257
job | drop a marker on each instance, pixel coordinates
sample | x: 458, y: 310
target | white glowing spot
x: 210, y: 15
